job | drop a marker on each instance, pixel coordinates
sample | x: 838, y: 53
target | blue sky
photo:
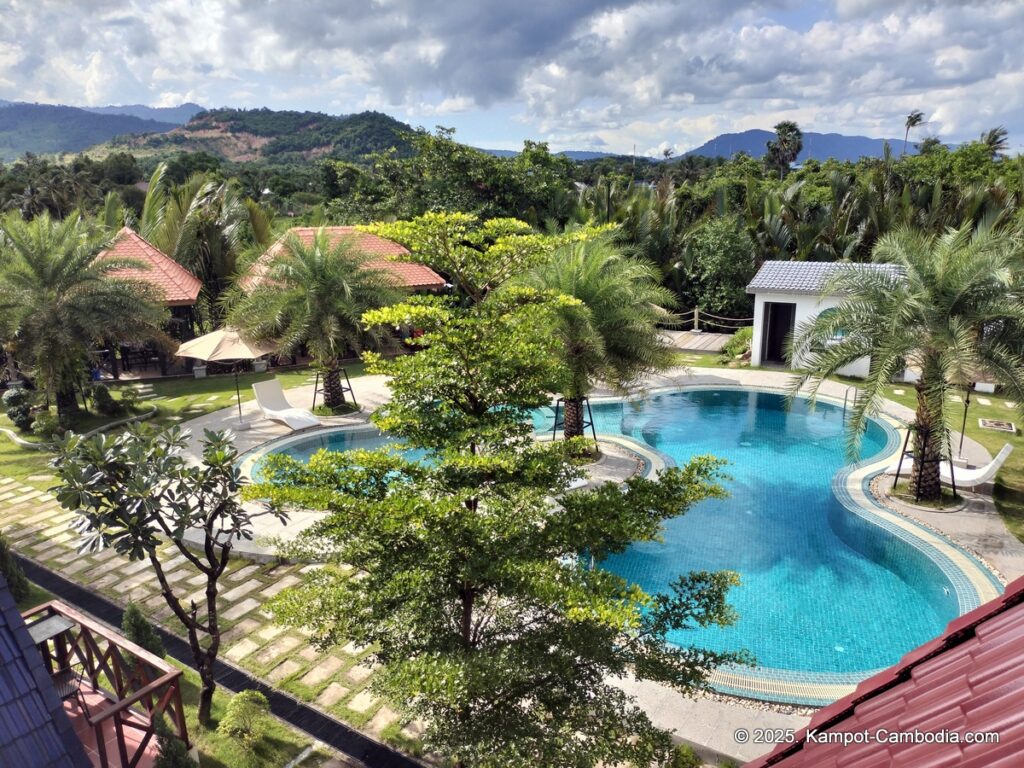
x: 580, y: 74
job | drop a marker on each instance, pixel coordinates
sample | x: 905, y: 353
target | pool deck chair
x: 275, y: 406
x: 972, y: 478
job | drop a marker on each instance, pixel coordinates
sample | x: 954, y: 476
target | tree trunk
x: 334, y: 395
x: 206, y: 691
x: 67, y: 404
x: 573, y: 419
x: 928, y: 441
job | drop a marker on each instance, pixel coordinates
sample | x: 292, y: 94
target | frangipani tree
x: 950, y: 310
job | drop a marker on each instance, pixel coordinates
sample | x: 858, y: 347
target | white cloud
x: 607, y: 73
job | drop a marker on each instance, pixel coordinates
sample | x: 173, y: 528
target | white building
x: 789, y: 293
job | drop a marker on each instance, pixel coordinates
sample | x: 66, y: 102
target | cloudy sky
x: 580, y: 74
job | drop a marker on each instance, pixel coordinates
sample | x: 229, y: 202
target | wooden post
x: 696, y: 319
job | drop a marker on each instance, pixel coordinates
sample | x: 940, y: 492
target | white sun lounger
x: 965, y: 478
x: 972, y: 478
x: 275, y: 406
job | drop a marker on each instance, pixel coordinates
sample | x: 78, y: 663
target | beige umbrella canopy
x: 225, y: 345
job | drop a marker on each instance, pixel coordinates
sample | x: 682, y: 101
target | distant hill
x: 179, y: 115
x: 819, y: 146
x: 281, y: 136
x: 45, y: 128
x: 573, y: 154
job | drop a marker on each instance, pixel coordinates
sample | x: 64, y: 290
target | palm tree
x: 612, y: 334
x: 997, y: 140
x: 786, y: 146
x: 204, y: 225
x: 914, y: 119
x: 950, y: 310
x: 314, y: 296
x: 58, y: 301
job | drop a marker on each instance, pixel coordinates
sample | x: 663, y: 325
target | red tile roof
x: 179, y: 286
x: 408, y: 274
x: 970, y: 679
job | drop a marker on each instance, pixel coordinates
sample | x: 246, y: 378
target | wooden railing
x: 140, y: 688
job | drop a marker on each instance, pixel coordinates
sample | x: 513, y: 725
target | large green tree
x: 950, y: 310
x: 476, y: 256
x: 610, y: 333
x: 314, y: 296
x: 486, y: 621
x: 59, y: 302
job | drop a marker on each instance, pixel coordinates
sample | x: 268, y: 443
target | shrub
x: 21, y: 416
x: 16, y: 396
x: 739, y: 344
x: 685, y: 757
x: 104, y: 402
x: 136, y: 627
x: 171, y: 751
x: 246, y: 718
x: 129, y: 398
x: 45, y: 425
x: 9, y: 567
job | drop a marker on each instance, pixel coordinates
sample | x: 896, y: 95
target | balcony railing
x: 138, y: 688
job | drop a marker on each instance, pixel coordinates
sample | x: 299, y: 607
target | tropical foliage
x: 486, y: 623
x: 950, y: 310
x: 314, y: 296
x: 611, y: 332
x: 59, y: 302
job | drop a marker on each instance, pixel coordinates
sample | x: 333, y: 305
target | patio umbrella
x: 221, y: 346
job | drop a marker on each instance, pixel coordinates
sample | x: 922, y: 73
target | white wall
x: 808, y: 307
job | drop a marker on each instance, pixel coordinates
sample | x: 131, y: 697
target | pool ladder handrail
x: 846, y: 396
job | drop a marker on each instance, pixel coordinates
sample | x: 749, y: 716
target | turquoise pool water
x: 822, y: 590
x: 345, y: 439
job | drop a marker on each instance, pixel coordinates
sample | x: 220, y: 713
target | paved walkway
x: 698, y: 341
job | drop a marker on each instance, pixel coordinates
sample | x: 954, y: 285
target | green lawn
x: 176, y: 400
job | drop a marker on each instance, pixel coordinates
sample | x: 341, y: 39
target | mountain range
x: 291, y: 136
x: 817, y: 146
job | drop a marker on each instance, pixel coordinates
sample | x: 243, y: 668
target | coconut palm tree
x: 914, y: 119
x: 950, y: 310
x: 997, y: 140
x: 205, y: 225
x: 612, y: 334
x: 314, y: 296
x: 58, y: 302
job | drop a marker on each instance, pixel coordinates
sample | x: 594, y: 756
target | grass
x: 1009, y: 489
x: 176, y: 400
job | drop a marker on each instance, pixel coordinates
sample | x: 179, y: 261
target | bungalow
x: 387, y: 255
x: 789, y: 293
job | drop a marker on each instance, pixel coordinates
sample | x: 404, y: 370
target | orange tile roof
x: 179, y: 286
x: 967, y: 680
x: 408, y: 274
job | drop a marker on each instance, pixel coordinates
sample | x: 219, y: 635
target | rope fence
x: 697, y: 319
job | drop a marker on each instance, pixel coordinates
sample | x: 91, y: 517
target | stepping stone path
x: 336, y: 680
x: 1007, y: 403
x: 984, y: 401
x: 956, y: 399
x: 899, y: 392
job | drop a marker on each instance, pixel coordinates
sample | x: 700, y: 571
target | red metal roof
x: 970, y: 679
x: 179, y: 286
x: 408, y: 274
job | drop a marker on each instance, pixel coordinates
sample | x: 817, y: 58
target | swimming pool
x: 827, y: 595
x: 819, y: 592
